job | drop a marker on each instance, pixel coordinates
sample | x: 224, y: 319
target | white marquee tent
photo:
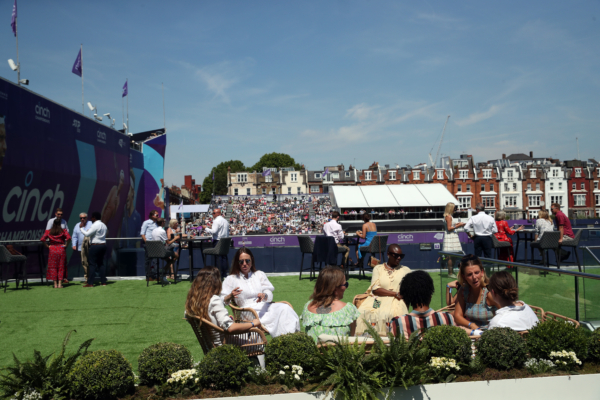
x: 390, y: 196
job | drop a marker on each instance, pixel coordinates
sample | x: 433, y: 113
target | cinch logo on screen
x: 405, y: 238
x: 42, y: 113
x: 277, y: 240
x: 77, y: 125
x: 101, y: 136
x: 121, y: 143
x: 29, y: 204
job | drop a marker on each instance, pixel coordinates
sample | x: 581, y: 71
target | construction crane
x: 439, y: 147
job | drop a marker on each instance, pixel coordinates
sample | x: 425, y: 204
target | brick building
x: 580, y: 188
x: 533, y: 183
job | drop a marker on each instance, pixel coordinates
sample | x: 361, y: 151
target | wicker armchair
x: 252, y: 342
x: 557, y: 317
x: 248, y: 314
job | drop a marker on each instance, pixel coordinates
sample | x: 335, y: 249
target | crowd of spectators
x: 263, y: 216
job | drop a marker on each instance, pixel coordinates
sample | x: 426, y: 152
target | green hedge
x: 102, y: 374
x: 448, y: 341
x: 502, y: 348
x: 224, y: 367
x: 552, y: 335
x: 291, y: 349
x: 159, y: 361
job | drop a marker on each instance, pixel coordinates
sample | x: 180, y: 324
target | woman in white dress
x: 203, y: 301
x: 252, y: 289
x: 451, y: 239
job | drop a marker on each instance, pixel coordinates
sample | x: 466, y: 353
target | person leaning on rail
x: 484, y: 227
x: 97, y: 235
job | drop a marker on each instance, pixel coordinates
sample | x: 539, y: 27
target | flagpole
x: 127, y: 82
x: 82, y: 102
x: 17, y: 36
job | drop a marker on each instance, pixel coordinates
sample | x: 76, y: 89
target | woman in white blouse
x: 252, y: 289
x: 203, y: 301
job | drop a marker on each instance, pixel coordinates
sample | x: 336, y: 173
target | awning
x: 392, y: 196
x: 193, y: 208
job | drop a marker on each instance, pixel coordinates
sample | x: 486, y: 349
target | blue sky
x: 327, y: 82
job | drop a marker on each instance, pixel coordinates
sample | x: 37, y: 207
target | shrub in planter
x: 224, y: 367
x: 594, y: 347
x: 102, y: 374
x: 159, y: 361
x: 448, y: 341
x: 502, y: 348
x: 551, y: 335
x: 291, y: 349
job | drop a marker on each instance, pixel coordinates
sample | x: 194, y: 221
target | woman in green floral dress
x: 325, y: 313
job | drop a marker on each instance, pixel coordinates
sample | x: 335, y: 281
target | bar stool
x: 306, y: 247
x: 548, y: 241
x: 378, y: 246
x: 574, y: 243
x: 7, y: 258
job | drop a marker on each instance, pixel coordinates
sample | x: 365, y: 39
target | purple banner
x: 292, y: 240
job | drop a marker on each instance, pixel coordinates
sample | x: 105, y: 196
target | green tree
x: 275, y: 160
x: 220, y: 183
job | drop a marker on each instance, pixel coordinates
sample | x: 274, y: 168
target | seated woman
x: 203, y: 301
x: 251, y: 289
x: 368, y: 232
x: 325, y: 313
x: 506, y: 254
x: 512, y: 313
x: 385, y: 300
x: 416, y: 290
x: 543, y: 224
x: 475, y: 306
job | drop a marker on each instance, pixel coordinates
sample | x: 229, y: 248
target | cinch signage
x: 42, y: 113
x: 21, y: 203
x: 405, y: 238
x: 277, y: 240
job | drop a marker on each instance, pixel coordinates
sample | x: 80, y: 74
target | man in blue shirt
x: 147, y: 227
x: 78, y: 240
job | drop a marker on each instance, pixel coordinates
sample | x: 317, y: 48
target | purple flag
x: 125, y: 89
x: 77, y: 67
x: 181, y: 205
x: 213, y: 176
x: 326, y: 171
x: 266, y: 172
x: 13, y: 20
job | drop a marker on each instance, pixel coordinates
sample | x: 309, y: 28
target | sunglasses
x: 468, y: 257
x: 82, y: 217
x: 345, y: 285
x: 397, y: 255
x: 246, y: 261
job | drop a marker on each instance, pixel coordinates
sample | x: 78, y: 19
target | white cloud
x: 360, y: 111
x: 478, y: 117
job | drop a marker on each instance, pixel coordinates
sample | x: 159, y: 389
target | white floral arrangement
x: 538, y: 366
x: 183, y: 377
x: 291, y: 376
x: 28, y: 395
x: 564, y: 358
x: 444, y: 364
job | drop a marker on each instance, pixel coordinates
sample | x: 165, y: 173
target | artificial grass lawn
x: 128, y: 316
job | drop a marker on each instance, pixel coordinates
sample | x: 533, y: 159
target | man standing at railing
x: 484, y: 227
x: 78, y: 239
x: 563, y: 225
x: 219, y: 230
x: 146, y: 231
x: 97, y: 235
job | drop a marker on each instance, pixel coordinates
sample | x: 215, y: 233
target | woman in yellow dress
x: 384, y: 301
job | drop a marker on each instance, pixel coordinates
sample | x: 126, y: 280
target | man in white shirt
x: 58, y: 214
x: 219, y: 230
x: 97, y: 235
x: 146, y: 231
x: 484, y: 227
x: 78, y: 239
x: 333, y: 228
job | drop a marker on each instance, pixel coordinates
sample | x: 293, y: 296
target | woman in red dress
x: 506, y: 254
x: 56, y: 240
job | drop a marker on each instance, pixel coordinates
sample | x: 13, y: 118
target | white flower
x: 281, y: 373
x: 286, y: 367
x: 296, y: 377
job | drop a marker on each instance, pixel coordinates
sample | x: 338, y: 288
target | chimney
x: 503, y: 156
x: 531, y: 154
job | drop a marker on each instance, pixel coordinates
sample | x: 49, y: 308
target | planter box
x: 580, y: 387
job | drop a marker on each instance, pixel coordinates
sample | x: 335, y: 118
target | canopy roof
x: 193, y: 208
x: 384, y: 196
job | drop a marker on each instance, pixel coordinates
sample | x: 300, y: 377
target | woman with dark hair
x: 512, y: 313
x: 475, y: 306
x: 325, y: 313
x: 368, y: 232
x: 56, y: 240
x: 203, y: 301
x: 251, y: 289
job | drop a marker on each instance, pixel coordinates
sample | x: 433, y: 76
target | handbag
x: 360, y: 298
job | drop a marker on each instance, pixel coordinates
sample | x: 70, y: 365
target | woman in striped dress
x: 451, y: 239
